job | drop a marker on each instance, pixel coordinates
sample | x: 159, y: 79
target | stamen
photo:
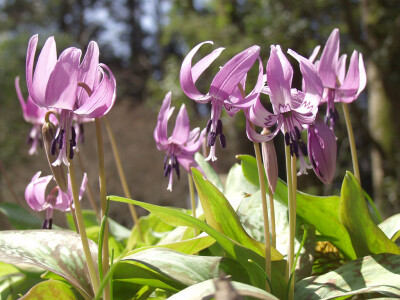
x: 298, y: 134
x: 81, y: 135
x: 60, y: 139
x: 211, y: 139
x: 44, y: 225
x: 165, y: 161
x: 303, y: 148
x: 167, y: 170
x: 53, y: 146
x: 208, y: 127
x: 295, y: 149
x: 50, y: 223
x: 73, y: 136
x: 177, y: 170
x: 71, y: 149
x: 287, y: 139
x: 222, y: 140
x: 218, y: 130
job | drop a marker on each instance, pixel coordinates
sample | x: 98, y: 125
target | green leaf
x: 321, y: 212
x: 182, y: 268
x: 153, y: 229
x: 118, y: 231
x: 19, y: 217
x: 206, y: 289
x: 50, y: 290
x: 221, y: 216
x: 209, y: 171
x: 57, y: 251
x: 367, y: 238
x: 237, y: 187
x: 391, y: 226
x: 371, y: 274
x: 233, y: 249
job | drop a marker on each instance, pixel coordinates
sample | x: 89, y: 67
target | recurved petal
x: 161, y: 130
x: 35, y: 191
x: 314, y: 54
x: 352, y: 81
x: 279, y: 77
x: 103, y: 97
x: 194, y: 145
x: 188, y: 79
x: 187, y: 161
x: 329, y: 59
x: 341, y: 69
x: 260, y: 138
x: 88, y: 70
x: 63, y: 81
x: 180, y: 134
x: 20, y: 98
x: 231, y: 74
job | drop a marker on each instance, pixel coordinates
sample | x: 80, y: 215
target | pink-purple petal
x: 181, y: 130
x: 35, y: 191
x: 329, y: 59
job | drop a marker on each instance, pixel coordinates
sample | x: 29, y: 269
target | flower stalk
x: 352, y: 142
x: 103, y: 200
x: 192, y: 199
x: 122, y: 177
x: 82, y: 231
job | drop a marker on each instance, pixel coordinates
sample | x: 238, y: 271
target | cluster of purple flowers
x: 75, y: 91
x: 324, y: 81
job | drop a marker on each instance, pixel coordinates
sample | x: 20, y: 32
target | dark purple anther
x: 53, y: 146
x: 287, y: 139
x: 298, y: 134
x: 50, y: 223
x: 211, y: 139
x: 60, y: 139
x: 167, y: 170
x: 71, y: 149
x: 222, y: 140
x: 73, y: 136
x: 208, y: 127
x: 44, y: 225
x: 219, y: 127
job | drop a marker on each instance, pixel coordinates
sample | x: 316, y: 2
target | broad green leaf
x: 90, y: 219
x: 391, y: 226
x: 153, y: 229
x: 50, y: 290
x: 237, y: 187
x: 221, y: 216
x: 19, y: 217
x: 57, y: 251
x: 182, y: 268
x: 321, y: 212
x: 209, y: 171
x: 206, y: 289
x: 233, y: 249
x: 367, y: 238
x: 7, y: 269
x: 367, y: 275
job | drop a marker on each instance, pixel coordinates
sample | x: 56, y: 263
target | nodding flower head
x: 70, y: 86
x: 38, y: 199
x: 294, y: 110
x: 224, y: 89
x: 181, y: 146
x: 339, y: 86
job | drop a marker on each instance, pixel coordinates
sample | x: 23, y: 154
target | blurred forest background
x: 144, y: 43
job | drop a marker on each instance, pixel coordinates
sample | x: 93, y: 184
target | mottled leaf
x: 206, y: 289
x: 366, y: 237
x: 57, y: 251
x: 50, y: 290
x: 391, y: 226
x: 368, y: 275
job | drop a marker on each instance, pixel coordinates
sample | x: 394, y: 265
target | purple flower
x: 35, y: 195
x: 54, y: 84
x: 224, y: 88
x: 181, y: 146
x: 322, y: 150
x: 32, y: 114
x: 339, y: 86
x: 294, y: 110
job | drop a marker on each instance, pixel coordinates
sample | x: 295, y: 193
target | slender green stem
x: 73, y: 214
x: 100, y: 243
x: 352, y: 142
x: 82, y: 231
x: 260, y: 168
x: 292, y: 222
x: 88, y: 188
x: 105, y: 280
x: 192, y: 199
x: 103, y: 200
x: 122, y: 176
x: 272, y: 214
x: 290, y: 207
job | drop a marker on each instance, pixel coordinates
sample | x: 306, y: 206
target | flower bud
x: 322, y: 150
x: 60, y: 171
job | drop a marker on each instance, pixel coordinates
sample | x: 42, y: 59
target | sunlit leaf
x: 19, y: 217
x: 221, y: 216
x: 368, y: 275
x: 391, y: 226
x: 50, y: 290
x: 206, y: 289
x: 57, y: 251
x: 367, y: 238
x: 321, y: 212
x: 209, y: 171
